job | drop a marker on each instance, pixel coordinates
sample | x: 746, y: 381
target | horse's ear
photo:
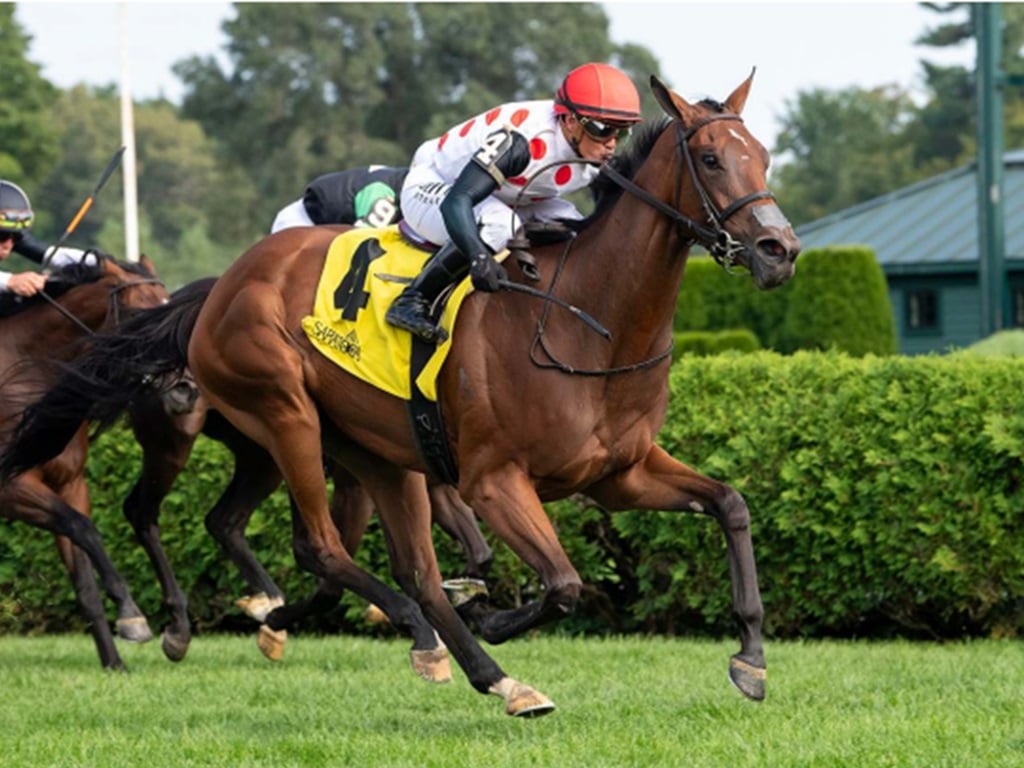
x: 675, y: 106
x: 738, y: 98
x: 147, y: 264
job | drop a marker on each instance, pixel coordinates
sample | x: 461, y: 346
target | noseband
x: 713, y: 236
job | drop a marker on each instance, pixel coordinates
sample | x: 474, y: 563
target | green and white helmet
x: 15, y: 210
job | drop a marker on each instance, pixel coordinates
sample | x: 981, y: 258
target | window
x: 1017, y: 315
x: 922, y: 311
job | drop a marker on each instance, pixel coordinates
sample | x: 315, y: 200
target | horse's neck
x: 633, y: 260
x: 49, y: 330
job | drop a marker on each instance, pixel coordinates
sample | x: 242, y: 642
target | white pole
x: 131, y: 202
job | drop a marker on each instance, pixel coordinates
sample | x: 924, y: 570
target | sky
x: 705, y: 48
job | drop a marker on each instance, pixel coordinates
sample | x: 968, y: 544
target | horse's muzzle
x: 774, y: 259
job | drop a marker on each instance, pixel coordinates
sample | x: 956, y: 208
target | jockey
x: 365, y: 197
x: 15, y: 222
x: 461, y: 186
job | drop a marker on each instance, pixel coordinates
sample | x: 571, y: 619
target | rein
x: 113, y: 306
x: 722, y: 246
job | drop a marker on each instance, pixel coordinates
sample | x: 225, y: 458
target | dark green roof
x: 933, y: 223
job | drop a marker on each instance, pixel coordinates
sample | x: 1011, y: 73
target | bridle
x: 713, y: 236
x: 113, y: 305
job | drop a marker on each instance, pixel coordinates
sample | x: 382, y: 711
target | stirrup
x: 410, y: 313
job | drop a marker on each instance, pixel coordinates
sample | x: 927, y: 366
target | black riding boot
x: 411, y: 310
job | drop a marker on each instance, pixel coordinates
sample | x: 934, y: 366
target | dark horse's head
x: 717, y: 194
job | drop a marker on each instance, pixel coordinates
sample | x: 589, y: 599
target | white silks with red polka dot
x: 438, y: 163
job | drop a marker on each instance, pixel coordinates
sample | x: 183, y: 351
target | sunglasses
x: 603, y: 131
x: 5, y: 236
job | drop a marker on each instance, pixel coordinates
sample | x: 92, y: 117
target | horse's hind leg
x: 84, y: 582
x: 166, y: 444
x: 254, y: 479
x: 661, y: 482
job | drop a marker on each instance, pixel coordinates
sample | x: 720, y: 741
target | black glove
x: 486, y: 273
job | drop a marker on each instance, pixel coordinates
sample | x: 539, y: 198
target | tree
x: 944, y: 135
x: 842, y: 147
x: 323, y: 86
x: 181, y: 187
x: 28, y: 134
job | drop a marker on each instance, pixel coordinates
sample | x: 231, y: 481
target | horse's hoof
x: 747, y: 678
x: 432, y: 665
x: 174, y: 646
x: 461, y: 591
x: 375, y: 615
x: 134, y: 630
x: 259, y: 606
x: 271, y: 642
x: 521, y: 700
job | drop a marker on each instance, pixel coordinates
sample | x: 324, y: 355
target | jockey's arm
x: 505, y: 153
x: 36, y: 250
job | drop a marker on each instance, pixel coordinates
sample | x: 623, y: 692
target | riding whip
x: 85, y: 206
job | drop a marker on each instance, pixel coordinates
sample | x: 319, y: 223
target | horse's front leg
x: 660, y: 482
x: 508, y: 503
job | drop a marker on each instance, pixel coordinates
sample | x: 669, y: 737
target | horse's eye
x: 709, y: 160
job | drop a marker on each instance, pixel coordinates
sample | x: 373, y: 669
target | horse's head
x: 737, y: 218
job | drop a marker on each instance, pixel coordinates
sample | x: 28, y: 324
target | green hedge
x: 886, y: 497
x: 838, y: 299
x: 714, y: 342
x: 712, y: 299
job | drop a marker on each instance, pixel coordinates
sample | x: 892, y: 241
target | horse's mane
x: 605, y: 191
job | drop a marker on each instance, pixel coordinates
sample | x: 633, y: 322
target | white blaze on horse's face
x: 742, y: 140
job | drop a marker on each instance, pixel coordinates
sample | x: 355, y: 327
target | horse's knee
x: 732, y: 511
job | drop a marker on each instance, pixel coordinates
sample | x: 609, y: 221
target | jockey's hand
x: 486, y: 272
x: 26, y: 283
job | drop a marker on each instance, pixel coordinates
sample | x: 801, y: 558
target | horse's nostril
x: 772, y: 247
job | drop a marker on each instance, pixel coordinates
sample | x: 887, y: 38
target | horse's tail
x: 99, y: 385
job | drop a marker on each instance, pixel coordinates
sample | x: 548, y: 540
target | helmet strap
x: 574, y: 140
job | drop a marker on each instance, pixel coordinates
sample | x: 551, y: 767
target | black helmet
x: 15, y: 209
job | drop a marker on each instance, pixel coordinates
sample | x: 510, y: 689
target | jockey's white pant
x: 424, y: 190
x: 293, y: 215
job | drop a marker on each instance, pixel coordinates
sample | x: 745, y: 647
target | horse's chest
x: 583, y: 457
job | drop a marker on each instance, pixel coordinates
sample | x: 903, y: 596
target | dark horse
x: 537, y: 407
x: 34, y: 333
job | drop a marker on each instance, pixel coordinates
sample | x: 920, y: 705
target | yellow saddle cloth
x: 365, y: 270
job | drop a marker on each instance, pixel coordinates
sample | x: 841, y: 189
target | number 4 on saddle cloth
x: 364, y: 272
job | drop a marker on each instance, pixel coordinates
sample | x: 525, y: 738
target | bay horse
x: 536, y: 406
x: 34, y: 333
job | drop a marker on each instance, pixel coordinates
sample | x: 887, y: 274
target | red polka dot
x: 467, y: 127
x: 563, y: 174
x: 519, y: 181
x: 491, y: 116
x: 519, y: 116
x: 538, y: 148
x: 441, y: 141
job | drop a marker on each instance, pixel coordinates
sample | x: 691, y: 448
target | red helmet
x: 599, y: 91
